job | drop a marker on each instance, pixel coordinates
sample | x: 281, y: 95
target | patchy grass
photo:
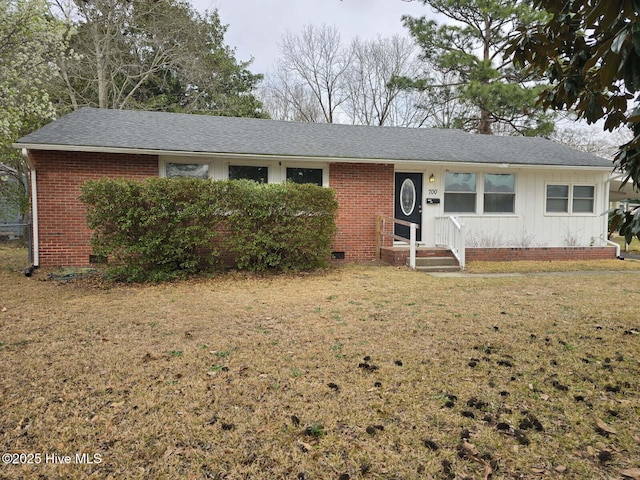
x: 356, y: 372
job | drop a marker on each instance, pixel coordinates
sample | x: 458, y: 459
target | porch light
x: 432, y: 178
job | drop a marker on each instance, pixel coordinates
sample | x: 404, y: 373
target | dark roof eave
x: 195, y: 153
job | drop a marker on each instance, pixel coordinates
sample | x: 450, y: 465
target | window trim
x: 219, y: 168
x: 458, y: 192
x: 228, y: 166
x: 485, y: 193
x: 571, y: 199
x: 194, y: 160
x: 480, y: 195
x: 318, y: 165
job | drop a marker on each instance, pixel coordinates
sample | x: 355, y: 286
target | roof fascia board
x: 252, y: 156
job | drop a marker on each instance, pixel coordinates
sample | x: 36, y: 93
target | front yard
x: 356, y: 372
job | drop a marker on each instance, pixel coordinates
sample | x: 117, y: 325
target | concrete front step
x: 436, y: 261
x: 398, y: 254
x: 438, y: 268
x: 436, y: 264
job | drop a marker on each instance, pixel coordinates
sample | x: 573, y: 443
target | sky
x: 256, y: 27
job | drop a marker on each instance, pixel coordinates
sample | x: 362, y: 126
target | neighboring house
x: 530, y: 196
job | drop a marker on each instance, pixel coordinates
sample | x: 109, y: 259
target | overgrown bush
x: 160, y: 229
x: 280, y: 226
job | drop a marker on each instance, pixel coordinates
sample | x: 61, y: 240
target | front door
x: 408, y: 202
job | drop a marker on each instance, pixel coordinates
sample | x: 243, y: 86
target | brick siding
x: 64, y: 238
x: 539, y: 254
x: 363, y: 191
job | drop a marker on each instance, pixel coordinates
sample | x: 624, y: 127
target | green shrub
x: 281, y: 226
x: 156, y: 230
x: 161, y: 229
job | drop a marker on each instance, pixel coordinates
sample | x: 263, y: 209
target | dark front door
x: 408, y: 202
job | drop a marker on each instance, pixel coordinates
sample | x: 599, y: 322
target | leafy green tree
x: 152, y: 55
x: 30, y: 42
x: 590, y: 50
x: 468, y: 51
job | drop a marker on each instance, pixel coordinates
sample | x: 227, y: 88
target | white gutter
x: 606, y: 219
x: 34, y: 210
x: 296, y: 158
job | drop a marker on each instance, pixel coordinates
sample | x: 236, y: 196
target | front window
x: 245, y: 172
x: 567, y: 198
x: 558, y: 198
x: 499, y: 193
x: 460, y: 192
x: 193, y: 170
x: 305, y: 175
x: 583, y: 198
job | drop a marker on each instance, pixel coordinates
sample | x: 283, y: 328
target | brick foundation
x: 64, y: 238
x: 505, y: 254
x: 363, y: 191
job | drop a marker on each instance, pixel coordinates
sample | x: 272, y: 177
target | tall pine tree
x: 469, y: 51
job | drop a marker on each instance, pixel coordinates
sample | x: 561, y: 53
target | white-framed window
x: 257, y: 173
x: 240, y: 168
x: 567, y: 198
x: 460, y: 192
x: 194, y: 168
x: 305, y: 175
x: 583, y: 198
x: 499, y: 193
x: 496, y: 191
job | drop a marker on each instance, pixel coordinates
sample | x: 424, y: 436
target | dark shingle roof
x: 91, y: 128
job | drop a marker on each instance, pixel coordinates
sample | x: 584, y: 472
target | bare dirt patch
x: 355, y: 372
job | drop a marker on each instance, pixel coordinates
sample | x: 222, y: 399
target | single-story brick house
x: 517, y: 197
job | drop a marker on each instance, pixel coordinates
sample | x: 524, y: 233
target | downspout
x: 607, y: 205
x: 35, y: 245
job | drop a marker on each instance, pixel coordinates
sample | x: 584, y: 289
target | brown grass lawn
x: 358, y: 372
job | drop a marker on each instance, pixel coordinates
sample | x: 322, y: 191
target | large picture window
x: 567, y: 198
x: 499, y: 193
x: 460, y: 192
x: 247, y: 172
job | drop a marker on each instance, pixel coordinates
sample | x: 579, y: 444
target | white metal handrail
x: 450, y: 233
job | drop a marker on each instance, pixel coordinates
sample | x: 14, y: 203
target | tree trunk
x: 484, y: 127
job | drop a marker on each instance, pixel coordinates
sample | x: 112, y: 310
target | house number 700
x: 433, y: 191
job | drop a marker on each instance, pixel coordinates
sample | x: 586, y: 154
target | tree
x: 310, y: 75
x: 373, y: 99
x: 30, y: 42
x: 153, y: 55
x: 469, y: 51
x: 320, y: 79
x: 590, y: 50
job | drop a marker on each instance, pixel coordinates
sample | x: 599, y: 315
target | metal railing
x: 384, y: 224
x: 450, y: 233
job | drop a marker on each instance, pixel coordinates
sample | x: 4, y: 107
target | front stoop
x: 428, y: 259
x: 436, y: 264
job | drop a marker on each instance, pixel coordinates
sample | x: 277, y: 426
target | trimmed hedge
x: 161, y: 229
